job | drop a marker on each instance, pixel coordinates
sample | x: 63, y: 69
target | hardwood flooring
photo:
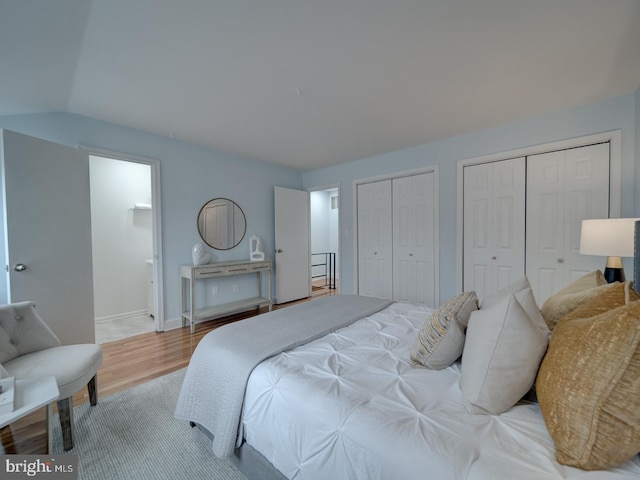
x: 127, y: 363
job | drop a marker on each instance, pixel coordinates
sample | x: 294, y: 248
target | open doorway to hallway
x: 122, y: 246
x: 325, y: 240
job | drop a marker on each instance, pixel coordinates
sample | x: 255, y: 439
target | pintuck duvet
x: 350, y: 405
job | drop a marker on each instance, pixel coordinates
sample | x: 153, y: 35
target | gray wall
x: 190, y: 176
x: 614, y: 114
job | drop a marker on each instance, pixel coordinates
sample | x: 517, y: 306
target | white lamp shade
x: 608, y: 237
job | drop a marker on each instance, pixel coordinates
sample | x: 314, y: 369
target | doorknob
x: 279, y: 250
x: 19, y: 267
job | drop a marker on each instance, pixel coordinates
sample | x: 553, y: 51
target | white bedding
x: 351, y: 406
x: 214, y: 385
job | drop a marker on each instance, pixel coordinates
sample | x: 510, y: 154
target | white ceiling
x: 313, y: 83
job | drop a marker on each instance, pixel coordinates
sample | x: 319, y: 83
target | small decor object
x: 255, y: 253
x: 7, y: 394
x: 199, y: 255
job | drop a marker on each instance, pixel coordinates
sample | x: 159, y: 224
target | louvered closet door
x: 563, y: 188
x: 375, y: 269
x: 414, y: 230
x: 494, y: 225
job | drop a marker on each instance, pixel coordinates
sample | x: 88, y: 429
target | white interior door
x: 47, y: 229
x: 293, y: 255
x: 414, y: 239
x: 375, y: 240
x: 563, y: 188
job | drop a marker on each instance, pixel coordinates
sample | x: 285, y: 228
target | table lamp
x: 612, y: 238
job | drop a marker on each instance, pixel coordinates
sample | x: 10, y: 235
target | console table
x: 189, y: 274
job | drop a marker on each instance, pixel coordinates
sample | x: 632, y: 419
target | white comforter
x: 213, y: 388
x: 351, y: 406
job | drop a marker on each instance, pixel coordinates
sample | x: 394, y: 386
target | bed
x: 351, y: 403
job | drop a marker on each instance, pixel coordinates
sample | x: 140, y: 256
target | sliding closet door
x: 563, y: 188
x: 414, y: 239
x: 375, y: 269
x: 494, y: 225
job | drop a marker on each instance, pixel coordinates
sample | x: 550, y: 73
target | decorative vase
x: 199, y: 255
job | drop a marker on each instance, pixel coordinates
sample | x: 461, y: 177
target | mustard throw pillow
x: 619, y: 294
x: 588, y: 388
x: 572, y: 296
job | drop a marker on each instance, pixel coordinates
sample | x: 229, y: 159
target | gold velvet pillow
x: 572, y: 296
x: 588, y: 387
x: 617, y: 295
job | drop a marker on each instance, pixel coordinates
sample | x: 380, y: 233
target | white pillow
x: 441, y: 338
x: 505, y: 344
x: 515, y: 287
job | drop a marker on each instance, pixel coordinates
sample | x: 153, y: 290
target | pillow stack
x: 588, y: 385
x: 501, y: 345
x: 587, y: 376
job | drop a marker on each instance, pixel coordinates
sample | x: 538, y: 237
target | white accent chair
x: 30, y: 349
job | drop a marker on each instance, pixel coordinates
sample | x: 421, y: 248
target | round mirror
x: 221, y: 223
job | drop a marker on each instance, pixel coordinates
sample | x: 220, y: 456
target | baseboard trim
x: 122, y: 316
x: 172, y: 324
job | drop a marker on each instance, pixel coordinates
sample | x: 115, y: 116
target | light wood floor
x: 127, y: 363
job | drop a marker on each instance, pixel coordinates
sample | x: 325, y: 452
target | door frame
x: 390, y: 176
x: 333, y: 186
x: 156, y: 214
x: 615, y: 179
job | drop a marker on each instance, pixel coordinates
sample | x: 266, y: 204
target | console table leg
x: 49, y: 428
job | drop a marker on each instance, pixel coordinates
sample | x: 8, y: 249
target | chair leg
x: 92, y: 386
x: 65, y: 410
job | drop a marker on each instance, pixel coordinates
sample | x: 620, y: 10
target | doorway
x: 325, y: 240
x: 122, y: 237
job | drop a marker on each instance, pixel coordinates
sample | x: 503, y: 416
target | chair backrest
x: 22, y: 331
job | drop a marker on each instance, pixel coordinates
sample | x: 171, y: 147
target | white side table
x: 31, y: 394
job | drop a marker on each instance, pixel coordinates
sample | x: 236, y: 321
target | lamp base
x: 613, y: 271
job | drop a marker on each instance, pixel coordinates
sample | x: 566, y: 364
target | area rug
x: 133, y: 435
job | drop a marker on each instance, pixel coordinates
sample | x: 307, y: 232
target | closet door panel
x: 425, y: 240
x: 477, y: 229
x: 587, y: 189
x: 545, y: 223
x: 479, y: 278
x: 414, y: 239
x: 375, y: 267
x: 563, y: 188
x: 494, y: 196
x: 509, y: 223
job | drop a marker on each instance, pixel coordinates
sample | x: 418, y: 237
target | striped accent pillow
x: 441, y: 339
